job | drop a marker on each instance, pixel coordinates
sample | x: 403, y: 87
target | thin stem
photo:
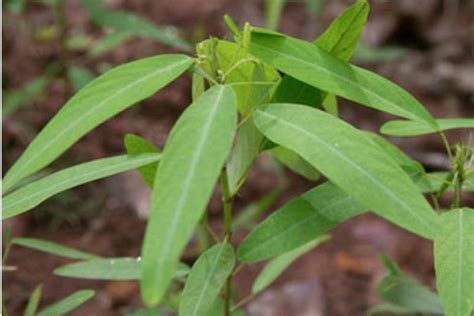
x: 227, y: 202
x: 244, y: 301
x: 238, y: 269
x: 447, y: 146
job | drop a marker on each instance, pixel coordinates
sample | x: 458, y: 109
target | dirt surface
x: 108, y: 217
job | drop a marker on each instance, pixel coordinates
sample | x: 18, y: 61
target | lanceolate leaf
x: 415, y: 128
x: 192, y: 160
x: 349, y: 159
x: 314, y: 66
x: 34, y: 193
x: 33, y: 302
x: 454, y: 262
x: 276, y: 266
x: 101, y: 99
x: 297, y: 164
x: 246, y: 149
x: 206, y: 279
x: 299, y: 221
x: 110, y: 269
x: 67, y: 304
x: 53, y: 248
x: 136, y: 145
x: 340, y: 40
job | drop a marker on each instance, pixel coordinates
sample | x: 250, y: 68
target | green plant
x: 264, y: 92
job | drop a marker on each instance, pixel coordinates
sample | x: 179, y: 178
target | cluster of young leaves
x: 284, y: 90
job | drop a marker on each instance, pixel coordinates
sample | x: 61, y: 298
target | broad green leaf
x: 299, y: 221
x: 191, y: 162
x: 33, y: 301
x: 52, y: 248
x: 276, y: 266
x: 454, y: 261
x: 297, y: 164
x: 110, y: 269
x: 340, y: 40
x: 124, y: 21
x: 79, y: 77
x: 352, y: 161
x: 67, y: 304
x: 415, y: 128
x: 243, y: 155
x: 273, y: 9
x: 109, y: 42
x: 34, y: 193
x: 25, y: 95
x: 251, y: 80
x: 206, y: 279
x: 109, y: 94
x: 407, y: 294
x: 136, y: 145
x: 314, y: 66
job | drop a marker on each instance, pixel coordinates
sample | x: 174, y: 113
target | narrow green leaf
x: 67, y: 304
x: 109, y: 94
x: 454, y: 262
x: 244, y: 153
x: 415, y: 128
x: 109, y: 42
x: 79, y: 77
x: 52, y: 248
x: 407, y: 294
x: 110, y: 269
x: 340, y: 40
x: 136, y: 145
x: 297, y: 164
x: 273, y: 9
x: 124, y: 21
x: 206, y: 279
x: 314, y: 66
x: 276, y: 266
x: 299, y: 221
x: 34, y: 193
x: 33, y: 302
x: 352, y: 161
x: 191, y: 163
x: 198, y: 86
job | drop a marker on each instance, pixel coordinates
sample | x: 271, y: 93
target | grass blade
x: 52, y: 248
x: 67, y: 304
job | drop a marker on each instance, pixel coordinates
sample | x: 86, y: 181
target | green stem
x: 447, y: 146
x: 227, y: 202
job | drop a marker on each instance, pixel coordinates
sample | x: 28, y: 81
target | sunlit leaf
x: 314, y: 66
x: 191, y: 163
x: 352, y: 161
x: 106, y: 96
